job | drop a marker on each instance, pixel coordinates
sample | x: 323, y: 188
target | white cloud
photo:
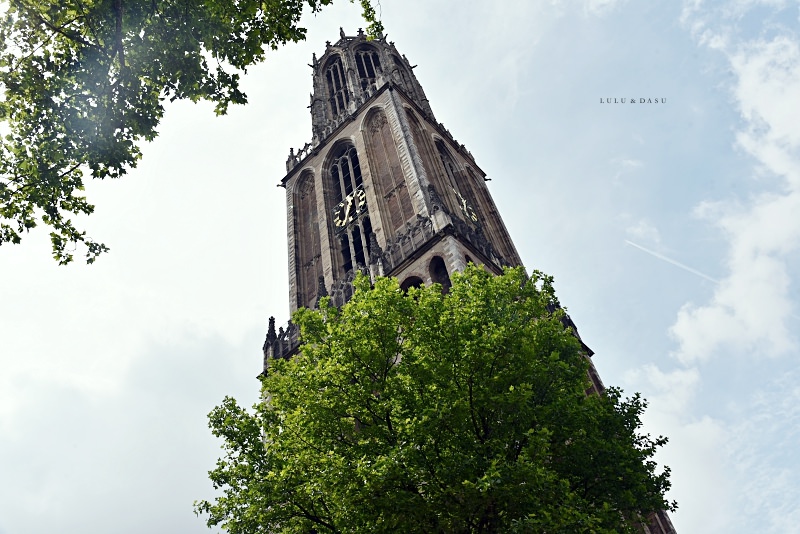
x: 769, y: 83
x: 762, y: 454
x: 748, y: 312
x: 751, y: 308
x: 644, y: 232
x: 624, y: 167
x: 601, y: 7
x: 746, y: 459
x: 695, y: 452
x: 673, y: 390
x: 700, y: 470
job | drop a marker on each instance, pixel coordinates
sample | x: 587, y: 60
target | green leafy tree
x: 424, y: 412
x: 84, y: 82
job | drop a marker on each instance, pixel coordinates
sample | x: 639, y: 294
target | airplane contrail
x: 671, y: 261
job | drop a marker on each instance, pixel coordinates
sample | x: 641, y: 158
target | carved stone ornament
x: 376, y: 122
x: 436, y: 200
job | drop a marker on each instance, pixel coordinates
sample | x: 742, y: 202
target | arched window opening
x: 366, y: 225
x: 471, y: 189
x: 358, y: 247
x: 387, y: 172
x: 347, y: 257
x: 338, y: 96
x: 368, y: 64
x: 450, y: 168
x: 346, y: 173
x: 439, y: 274
x: 427, y: 153
x: 458, y: 185
x: 422, y: 143
x: 489, y: 218
x: 355, y: 246
x: 350, y: 208
x: 411, y: 281
x: 469, y: 260
x: 405, y: 79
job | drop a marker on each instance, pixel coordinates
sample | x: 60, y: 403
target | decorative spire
x: 436, y: 201
x: 322, y: 291
x: 271, y: 336
x: 341, y: 32
x: 375, y: 251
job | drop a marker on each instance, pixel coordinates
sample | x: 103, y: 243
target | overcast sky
x: 672, y: 231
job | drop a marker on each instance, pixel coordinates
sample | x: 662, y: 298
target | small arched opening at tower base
x: 411, y: 281
x: 439, y: 274
x: 338, y: 94
x: 368, y: 64
x: 469, y: 260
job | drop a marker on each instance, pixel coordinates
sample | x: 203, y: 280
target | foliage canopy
x: 84, y: 82
x: 424, y: 412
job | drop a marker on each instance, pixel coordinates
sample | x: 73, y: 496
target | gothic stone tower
x: 385, y: 189
x: 382, y: 188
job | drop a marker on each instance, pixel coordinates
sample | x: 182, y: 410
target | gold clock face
x: 349, y: 209
x: 466, y: 209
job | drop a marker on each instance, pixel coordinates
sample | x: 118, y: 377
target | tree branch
x: 61, y: 30
x: 118, y: 46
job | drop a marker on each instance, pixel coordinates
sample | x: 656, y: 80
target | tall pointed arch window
x: 473, y: 194
x: 349, y: 211
x: 405, y: 78
x: 338, y: 95
x: 387, y: 172
x: 490, y: 218
x: 368, y: 64
x: 427, y: 153
x: 307, y: 244
x: 422, y: 143
x: 450, y: 168
x: 458, y: 185
x: 346, y: 172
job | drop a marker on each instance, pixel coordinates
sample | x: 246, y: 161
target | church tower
x: 385, y: 189
x: 382, y: 188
